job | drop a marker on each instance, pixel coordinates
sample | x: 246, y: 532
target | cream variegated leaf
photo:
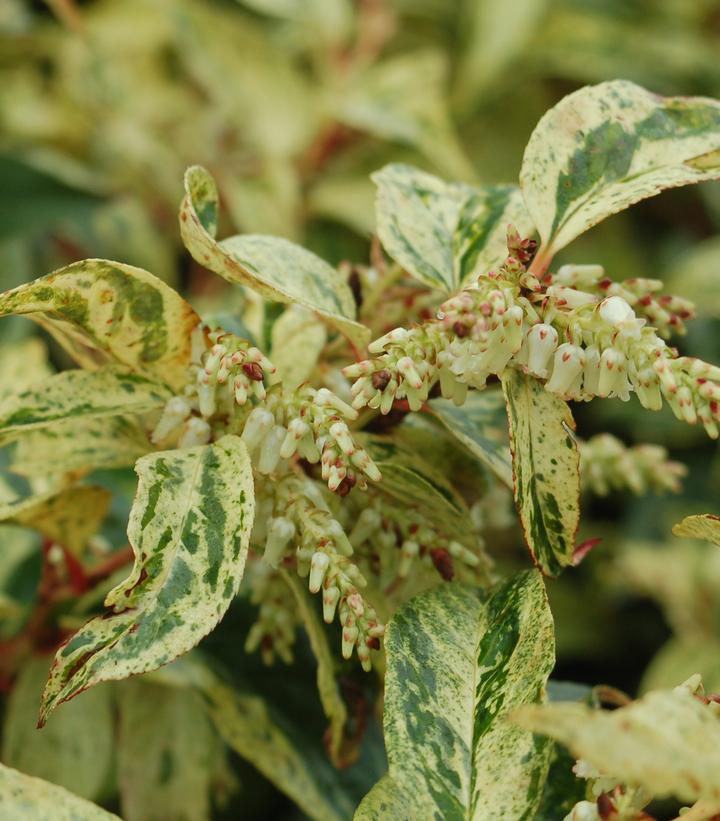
x: 667, y: 742
x: 480, y: 424
x: 458, y: 664
x: 546, y: 470
x: 68, y: 516
x: 23, y: 363
x: 445, y: 234
x: 276, y: 268
x: 328, y: 690
x: 701, y: 526
x: 605, y: 147
x: 75, y: 749
x: 76, y: 394
x: 189, y: 528
x: 22, y: 796
x: 248, y: 727
x: 102, y: 311
x: 79, y: 444
x: 297, y: 342
x: 167, y: 749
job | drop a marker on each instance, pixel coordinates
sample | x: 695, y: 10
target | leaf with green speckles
x: 480, y: 424
x: 102, y: 311
x: 167, y: 752
x: 276, y: 268
x: 458, y: 664
x: 444, y: 234
x: 79, y: 444
x: 189, y: 528
x: 247, y: 725
x: 702, y: 526
x: 546, y: 470
x: 23, y: 363
x: 330, y: 697
x: 24, y: 797
x: 79, y: 395
x: 67, y: 516
x: 667, y: 742
x: 605, y: 147
x: 297, y: 342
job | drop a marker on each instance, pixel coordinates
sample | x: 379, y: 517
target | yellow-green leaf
x: 189, y: 528
x: 546, y: 470
x: 480, y: 424
x: 458, y: 663
x: 23, y: 363
x: 23, y: 797
x: 297, y: 342
x: 68, y: 516
x: 605, y: 147
x: 444, y: 234
x: 702, y: 526
x: 328, y: 690
x: 276, y: 268
x: 79, y: 395
x: 667, y: 742
x: 102, y: 311
x: 74, y: 750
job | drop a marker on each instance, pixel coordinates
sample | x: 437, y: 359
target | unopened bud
x: 318, y: 567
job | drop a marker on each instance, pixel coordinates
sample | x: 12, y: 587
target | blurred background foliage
x: 291, y: 104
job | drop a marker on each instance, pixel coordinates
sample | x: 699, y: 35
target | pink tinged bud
x: 665, y: 374
x: 647, y: 389
x: 368, y: 522
x: 356, y: 604
x: 280, y: 532
x: 355, y: 576
x: 687, y: 406
x: 406, y: 367
x: 349, y: 637
x: 705, y: 416
x: 611, y: 362
x: 388, y: 397
x: 336, y: 532
x: 358, y: 369
x: 583, y: 275
x: 567, y: 367
x: 395, y: 337
x: 326, y: 398
x: 318, y: 567
x: 257, y: 426
x: 330, y: 598
x: 513, y: 325
x: 308, y: 450
x: 591, y: 371
x: 542, y: 341
x: 240, y: 390
x: 340, y: 433
x: 270, y: 449
x: 615, y: 311
x: 175, y: 412
x: 363, y: 654
x: 569, y: 297
x: 195, y: 432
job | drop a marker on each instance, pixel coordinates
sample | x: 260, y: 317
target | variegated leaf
x: 328, y: 690
x: 702, y: 526
x: 297, y: 342
x: 68, y: 516
x: 546, y: 470
x: 458, y: 663
x: 167, y: 749
x: 24, y: 797
x: 23, y: 363
x: 79, y: 444
x: 605, y: 147
x: 79, y: 394
x: 480, y: 424
x: 276, y: 268
x: 75, y: 749
x: 247, y: 726
x: 444, y: 234
x: 667, y: 742
x: 102, y: 311
x: 189, y: 528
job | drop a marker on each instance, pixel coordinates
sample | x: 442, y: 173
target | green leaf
x: 276, y: 268
x: 167, y: 750
x: 480, y: 424
x: 685, y: 655
x: 102, y: 311
x: 74, y: 395
x: 189, y: 527
x: 444, y: 234
x: 667, y: 742
x: 297, y: 342
x: 330, y: 697
x: 605, y: 147
x: 69, y: 516
x: 75, y: 750
x: 545, y: 468
x: 702, y: 526
x: 457, y: 665
x: 246, y: 725
x: 23, y: 797
x: 79, y: 444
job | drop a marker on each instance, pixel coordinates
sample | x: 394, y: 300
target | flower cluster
x: 228, y: 374
x: 298, y: 517
x: 607, y: 464
x: 273, y: 632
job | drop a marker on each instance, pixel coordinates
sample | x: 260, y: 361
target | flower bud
x: 542, y: 341
x: 279, y: 533
x: 349, y: 637
x: 584, y: 276
x: 567, y: 367
x: 318, y: 567
x: 195, y: 432
x: 175, y: 412
x: 396, y: 337
x: 330, y: 598
x: 570, y: 297
x: 258, y: 423
x: 615, y: 310
x: 340, y: 433
x: 367, y: 523
x: 408, y: 552
x: 270, y: 449
x: 591, y: 371
x: 612, y: 362
x: 206, y: 396
x: 336, y: 532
